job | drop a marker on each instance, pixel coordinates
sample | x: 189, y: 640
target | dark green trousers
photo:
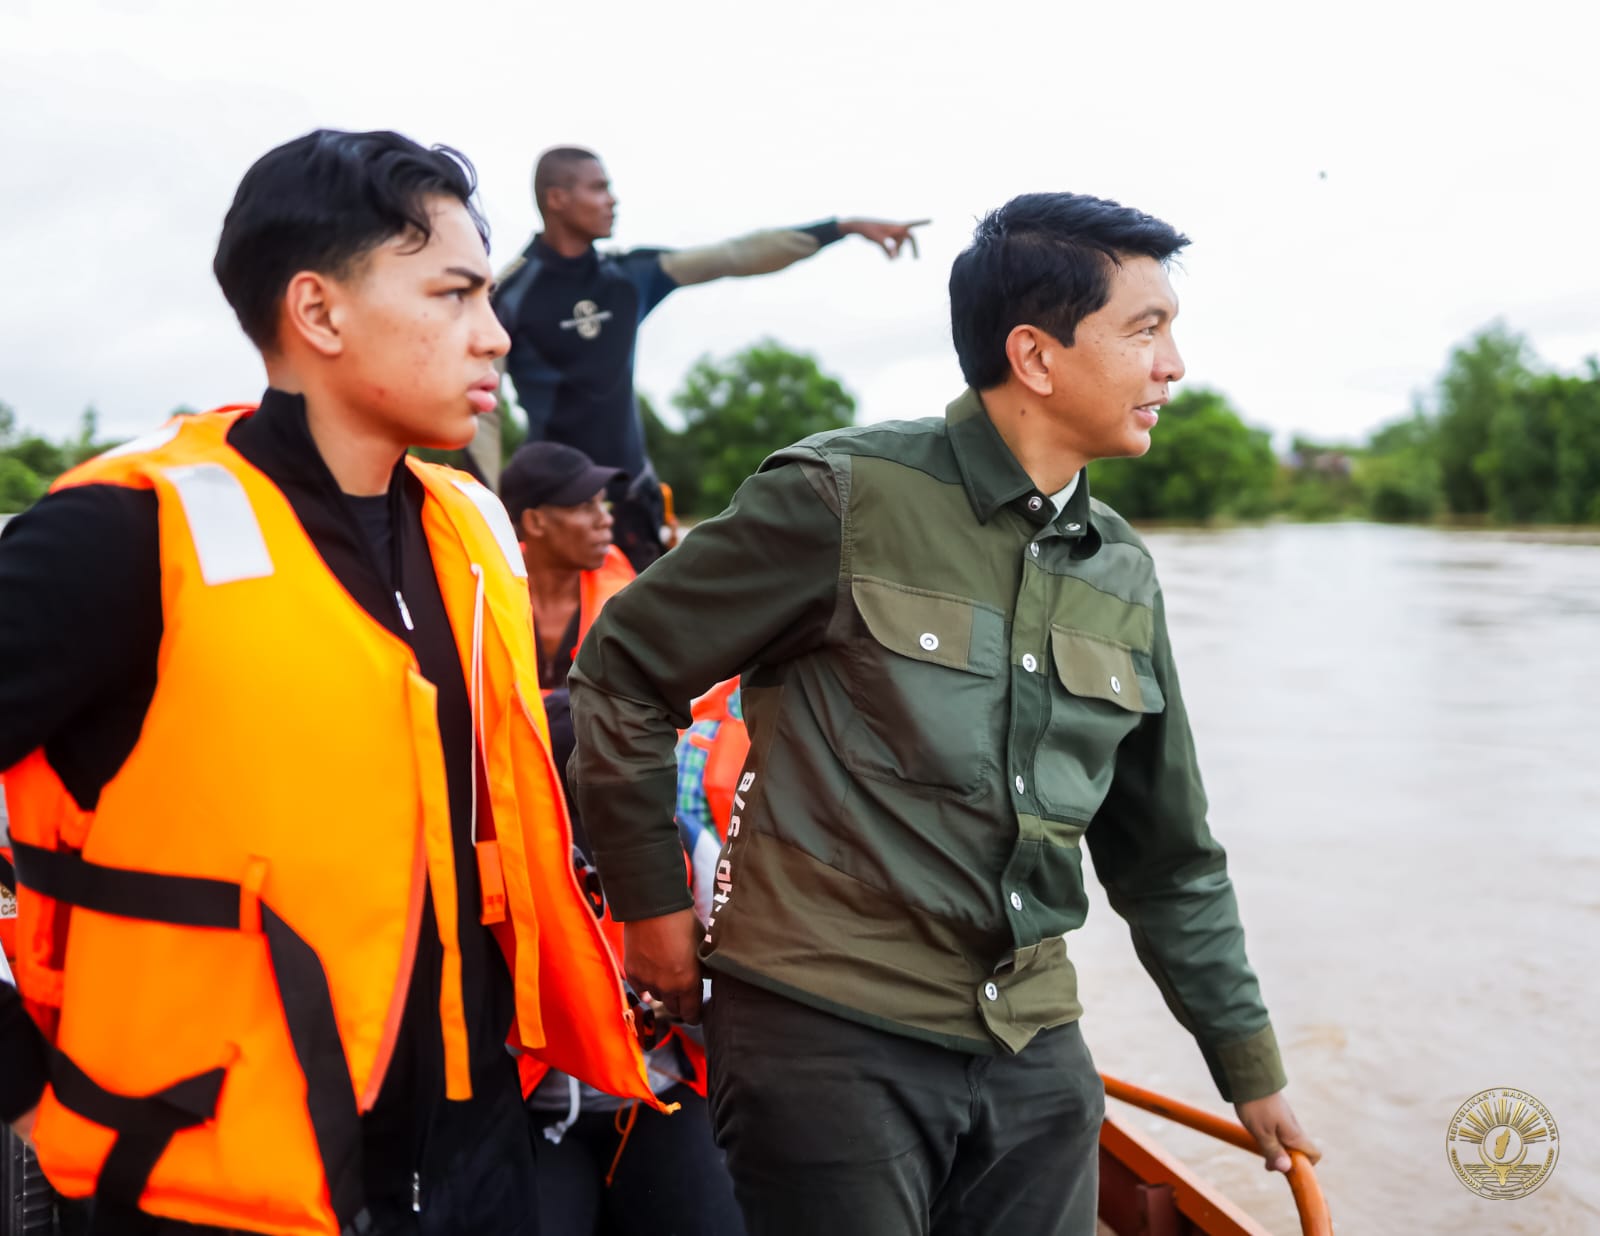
x: 832, y: 1128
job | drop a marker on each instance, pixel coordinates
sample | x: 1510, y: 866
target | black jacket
x: 80, y: 629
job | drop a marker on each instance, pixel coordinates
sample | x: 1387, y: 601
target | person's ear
x: 313, y: 311
x: 1029, y: 351
x: 531, y: 525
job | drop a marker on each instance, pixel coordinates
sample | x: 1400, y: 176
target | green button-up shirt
x: 949, y: 687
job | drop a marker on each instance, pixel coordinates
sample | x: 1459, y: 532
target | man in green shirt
x: 955, y: 670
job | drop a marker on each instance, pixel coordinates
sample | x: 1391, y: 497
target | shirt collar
x: 994, y: 479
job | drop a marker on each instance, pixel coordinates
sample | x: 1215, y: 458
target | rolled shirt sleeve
x: 759, y: 253
x: 1167, y: 876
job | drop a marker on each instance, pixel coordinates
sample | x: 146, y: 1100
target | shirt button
x: 991, y: 992
x: 1035, y: 502
x: 1116, y: 685
x: 1019, y: 785
x: 1074, y: 527
x: 1016, y: 901
x: 1030, y: 662
x: 1034, y: 549
x: 928, y: 640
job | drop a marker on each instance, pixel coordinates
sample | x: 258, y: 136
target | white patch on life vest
x: 227, y: 535
x: 154, y: 440
x: 494, y: 514
x: 5, y: 972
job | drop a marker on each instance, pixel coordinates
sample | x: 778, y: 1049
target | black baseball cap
x: 551, y: 474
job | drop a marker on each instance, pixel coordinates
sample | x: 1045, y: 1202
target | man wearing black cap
x: 556, y: 497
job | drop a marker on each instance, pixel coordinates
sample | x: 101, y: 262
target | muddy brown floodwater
x: 1400, y: 733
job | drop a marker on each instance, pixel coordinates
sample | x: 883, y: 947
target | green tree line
x: 29, y: 461
x: 1501, y: 439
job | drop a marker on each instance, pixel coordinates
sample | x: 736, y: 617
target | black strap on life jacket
x: 183, y: 901
x: 8, y: 873
x: 589, y: 882
x: 146, y: 1123
x: 143, y: 1125
x: 330, y: 1093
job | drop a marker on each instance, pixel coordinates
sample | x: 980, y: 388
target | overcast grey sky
x: 1457, y: 142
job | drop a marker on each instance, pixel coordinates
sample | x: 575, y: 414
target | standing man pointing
x: 573, y: 315
x: 956, y: 671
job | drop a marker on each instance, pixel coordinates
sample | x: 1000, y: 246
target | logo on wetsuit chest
x: 587, y: 318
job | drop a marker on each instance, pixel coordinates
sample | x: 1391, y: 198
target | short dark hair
x: 554, y: 170
x: 1042, y: 259
x: 322, y: 202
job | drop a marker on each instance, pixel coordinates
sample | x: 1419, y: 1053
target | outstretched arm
x: 762, y: 253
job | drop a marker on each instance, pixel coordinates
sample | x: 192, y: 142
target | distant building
x: 1321, y: 461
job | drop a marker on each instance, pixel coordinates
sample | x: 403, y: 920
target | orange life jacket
x: 597, y: 587
x: 533, y: 1070
x: 220, y: 952
x: 725, y: 754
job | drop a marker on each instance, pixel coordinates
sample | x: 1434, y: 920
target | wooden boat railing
x: 1312, y: 1207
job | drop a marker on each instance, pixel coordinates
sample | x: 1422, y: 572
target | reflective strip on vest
x: 494, y: 514
x: 154, y: 440
x: 227, y: 536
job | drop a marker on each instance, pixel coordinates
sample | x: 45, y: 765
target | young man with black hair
x: 956, y: 670
x: 574, y: 314
x: 293, y: 866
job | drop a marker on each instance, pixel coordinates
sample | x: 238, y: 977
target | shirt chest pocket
x: 1101, y: 692
x: 927, y: 687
